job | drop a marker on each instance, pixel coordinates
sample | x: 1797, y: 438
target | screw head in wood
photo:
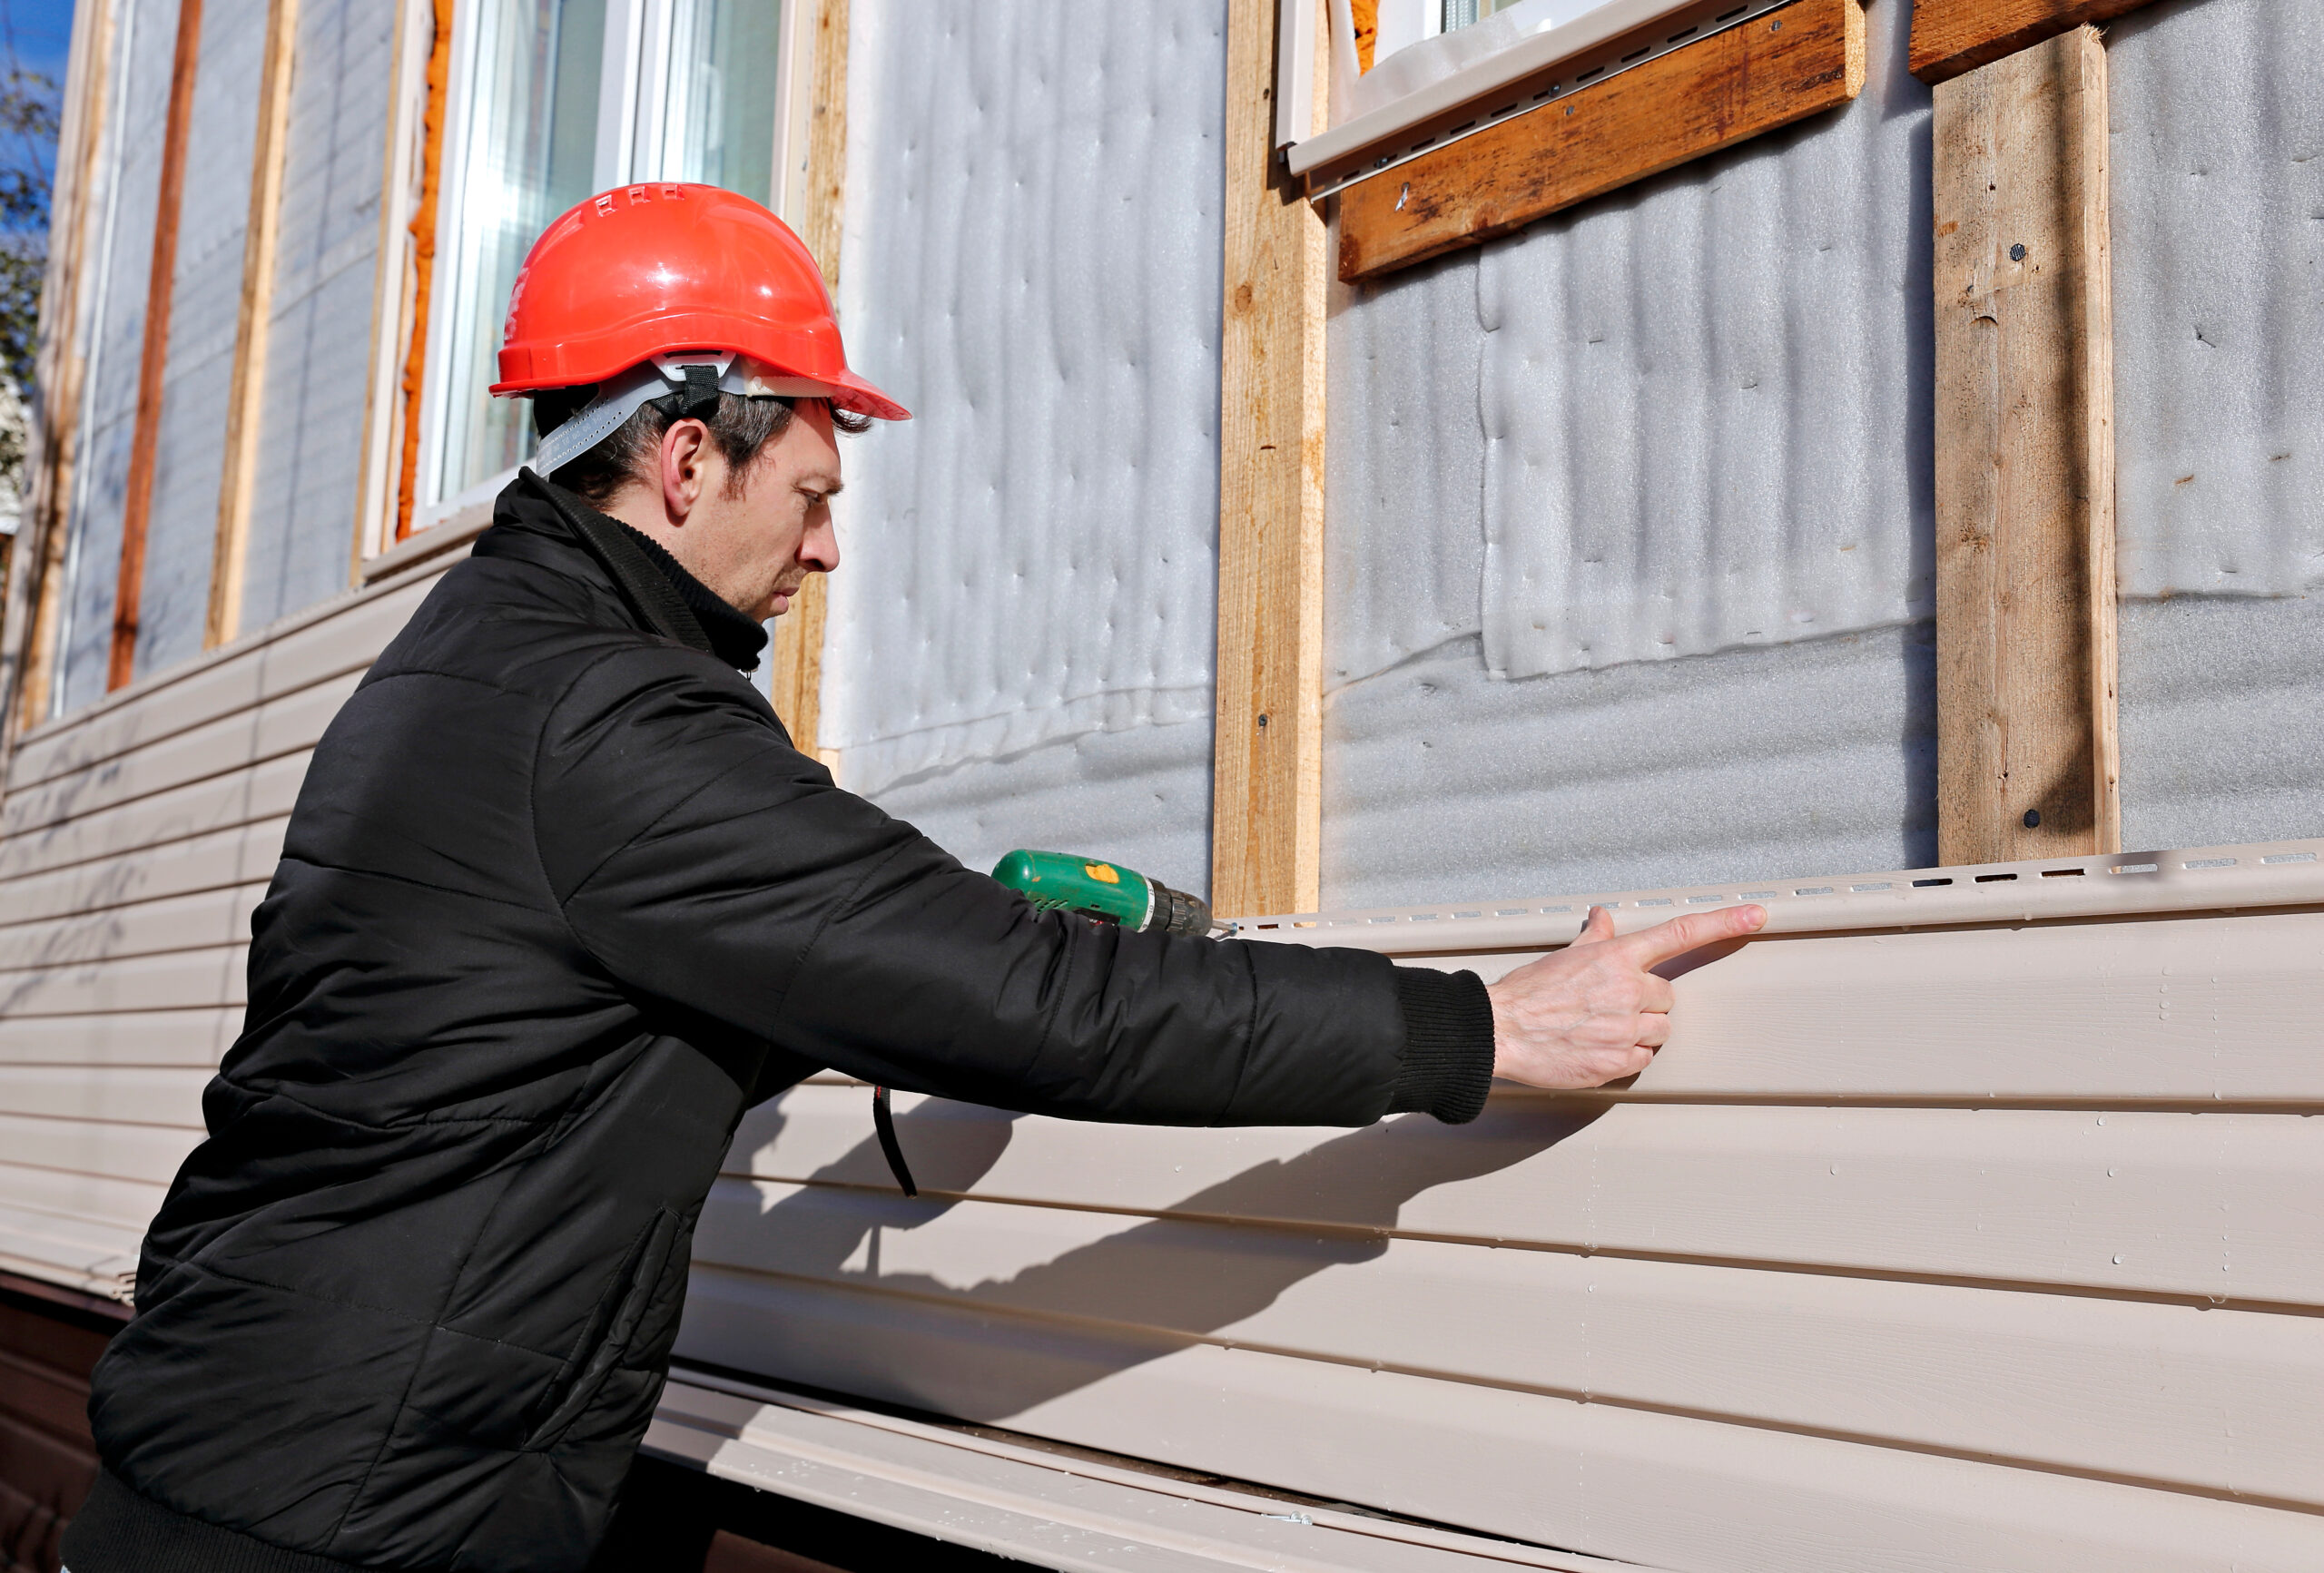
x: 2032, y: 819
x: 2017, y: 253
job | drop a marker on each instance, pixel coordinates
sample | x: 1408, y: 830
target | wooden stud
x: 36, y: 589
x: 423, y: 260
x: 2025, y: 460
x: 797, y: 676
x: 246, y: 400
x: 145, y: 446
x: 1952, y: 36
x: 1745, y: 82
x: 1267, y: 799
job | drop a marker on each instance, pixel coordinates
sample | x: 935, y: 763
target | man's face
x: 756, y: 549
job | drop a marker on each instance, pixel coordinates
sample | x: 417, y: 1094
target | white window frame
x: 630, y: 112
x: 1615, y: 37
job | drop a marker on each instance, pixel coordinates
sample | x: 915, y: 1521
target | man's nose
x: 819, y: 550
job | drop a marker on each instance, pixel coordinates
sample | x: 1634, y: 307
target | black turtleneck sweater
x: 733, y: 638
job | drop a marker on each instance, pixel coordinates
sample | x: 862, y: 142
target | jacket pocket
x: 612, y: 1330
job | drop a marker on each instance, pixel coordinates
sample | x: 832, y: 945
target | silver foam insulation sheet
x: 2218, y: 195
x: 1662, y: 461
x: 304, y: 496
x: 129, y: 164
x: 1020, y: 639
x: 206, y: 305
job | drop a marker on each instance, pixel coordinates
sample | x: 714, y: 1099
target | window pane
x: 718, y: 114
x: 530, y: 154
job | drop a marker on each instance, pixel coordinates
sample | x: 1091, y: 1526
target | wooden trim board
x: 144, y: 448
x: 1953, y: 36
x: 2027, y: 757
x: 797, y: 676
x: 245, y: 403
x: 423, y: 260
x: 1266, y: 799
x: 1734, y: 86
x: 35, y: 590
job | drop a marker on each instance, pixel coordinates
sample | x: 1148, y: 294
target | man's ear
x: 685, y: 448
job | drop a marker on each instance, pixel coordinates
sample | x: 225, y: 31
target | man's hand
x: 1593, y: 1012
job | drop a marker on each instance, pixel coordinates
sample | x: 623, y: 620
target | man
x: 559, y: 900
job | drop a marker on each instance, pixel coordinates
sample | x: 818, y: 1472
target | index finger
x: 1692, y: 932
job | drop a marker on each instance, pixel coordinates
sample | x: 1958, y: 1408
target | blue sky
x: 42, y: 30
x: 40, y: 33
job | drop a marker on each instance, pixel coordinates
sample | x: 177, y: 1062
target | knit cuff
x: 1447, y: 1068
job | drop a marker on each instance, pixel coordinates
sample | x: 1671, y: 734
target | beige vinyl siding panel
x: 217, y: 860
x: 1924, y: 1245
x: 1676, y: 1490
x: 199, y: 1036
x: 146, y: 928
x: 2038, y: 1197
x: 2124, y: 1387
x: 136, y: 838
x: 327, y: 643
x: 151, y: 1154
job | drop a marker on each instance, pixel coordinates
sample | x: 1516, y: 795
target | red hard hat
x: 649, y: 271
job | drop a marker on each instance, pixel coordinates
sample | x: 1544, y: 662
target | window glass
x: 718, y: 97
x: 528, y: 152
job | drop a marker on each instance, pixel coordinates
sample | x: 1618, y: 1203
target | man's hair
x: 741, y: 426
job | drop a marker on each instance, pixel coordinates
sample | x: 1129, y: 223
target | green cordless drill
x: 1062, y: 882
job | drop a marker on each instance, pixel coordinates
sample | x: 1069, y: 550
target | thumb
x: 1598, y: 930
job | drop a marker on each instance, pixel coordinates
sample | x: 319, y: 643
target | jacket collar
x: 659, y: 596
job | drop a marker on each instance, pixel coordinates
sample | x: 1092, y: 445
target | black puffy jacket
x: 560, y: 899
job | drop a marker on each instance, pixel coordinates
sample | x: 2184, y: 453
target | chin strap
x: 693, y: 380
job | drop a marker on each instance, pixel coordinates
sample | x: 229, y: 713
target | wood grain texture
x: 797, y: 654
x: 144, y: 448
x: 1732, y: 86
x: 423, y: 261
x: 1951, y: 37
x: 1267, y: 795
x: 246, y: 396
x: 2025, y: 460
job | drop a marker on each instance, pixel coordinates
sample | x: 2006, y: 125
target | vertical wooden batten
x: 137, y: 508
x: 1266, y: 799
x: 34, y: 602
x: 247, y: 396
x: 2025, y: 460
x: 797, y: 675
x: 392, y: 287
